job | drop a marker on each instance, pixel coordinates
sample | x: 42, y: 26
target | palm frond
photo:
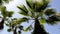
x: 3, y: 11
x: 49, y: 12
x: 2, y: 8
x: 53, y: 19
x: 30, y: 3
x: 41, y: 5
x: 9, y: 14
x: 51, y: 22
x: 6, y: 13
x: 23, y: 9
x: 24, y: 19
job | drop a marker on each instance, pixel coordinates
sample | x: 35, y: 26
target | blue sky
x: 52, y: 29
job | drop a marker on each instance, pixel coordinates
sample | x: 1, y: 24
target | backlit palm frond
x: 37, y: 5
x: 23, y: 9
x: 34, y: 5
x: 45, y: 4
x: 41, y: 5
x: 16, y: 22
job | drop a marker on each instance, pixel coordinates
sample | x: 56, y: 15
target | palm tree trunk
x: 15, y: 31
x: 38, y: 28
x: 2, y: 24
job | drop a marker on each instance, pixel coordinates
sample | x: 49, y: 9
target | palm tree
x: 38, y: 11
x: 12, y: 25
x: 5, y: 14
x: 15, y: 24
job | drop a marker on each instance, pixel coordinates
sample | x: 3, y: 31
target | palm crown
x: 4, y: 15
x: 38, y: 10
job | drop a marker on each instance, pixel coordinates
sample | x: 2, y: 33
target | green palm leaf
x: 50, y: 12
x: 29, y: 3
x: 53, y: 19
x: 9, y: 14
x: 23, y: 9
x: 2, y: 8
x: 24, y: 19
x: 3, y: 11
x: 45, y: 4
